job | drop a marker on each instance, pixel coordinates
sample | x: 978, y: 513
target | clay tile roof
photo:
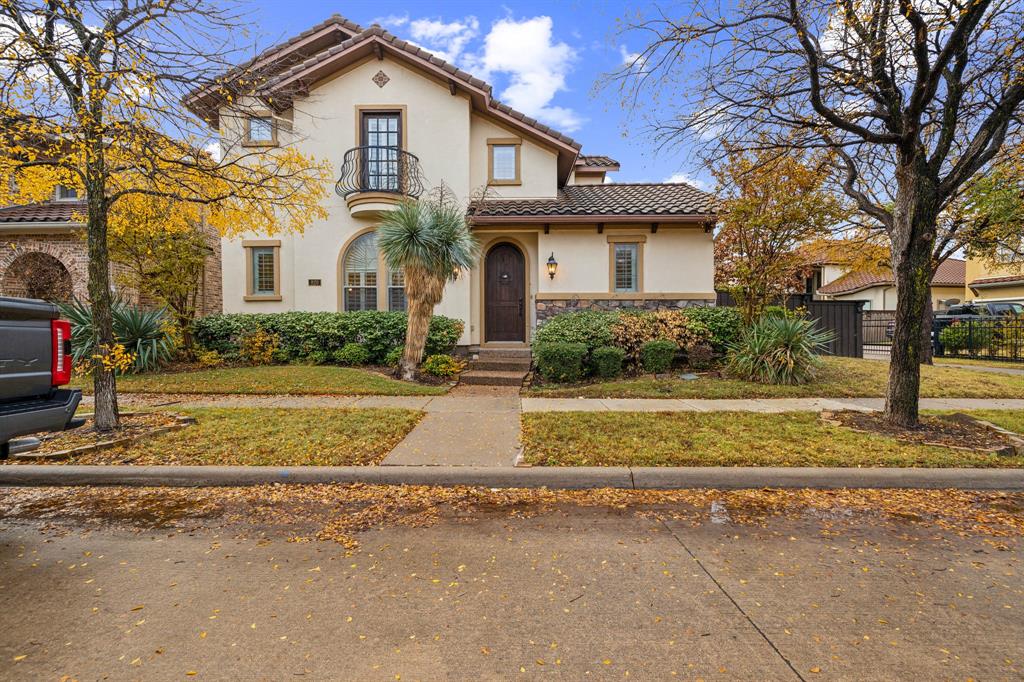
x: 642, y: 200
x: 1005, y: 279
x: 45, y: 212
x: 409, y: 48
x: 952, y: 272
x: 597, y: 161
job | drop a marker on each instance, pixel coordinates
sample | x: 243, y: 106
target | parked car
x: 966, y: 311
x: 35, y: 361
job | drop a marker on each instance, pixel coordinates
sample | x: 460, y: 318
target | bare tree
x: 913, y: 98
x: 90, y: 98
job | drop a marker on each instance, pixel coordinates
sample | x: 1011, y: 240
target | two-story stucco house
x: 394, y: 121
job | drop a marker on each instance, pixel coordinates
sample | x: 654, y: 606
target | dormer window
x: 65, y: 193
x: 503, y: 161
x: 260, y: 130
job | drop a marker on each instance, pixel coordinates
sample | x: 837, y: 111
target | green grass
x: 840, y: 378
x: 1012, y: 420
x: 723, y: 439
x: 953, y: 360
x: 271, y: 437
x: 270, y: 380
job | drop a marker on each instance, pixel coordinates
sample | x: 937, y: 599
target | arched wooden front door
x: 505, y: 294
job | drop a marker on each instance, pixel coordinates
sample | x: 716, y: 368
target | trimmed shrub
x: 592, y: 328
x: 632, y: 330
x: 560, y: 361
x: 258, y: 347
x: 394, y: 356
x: 779, y: 350
x: 318, y: 357
x: 303, y: 333
x: 353, y: 354
x: 444, y: 366
x: 966, y: 335
x: 606, y: 361
x: 656, y: 356
x: 700, y: 356
x: 209, y: 358
x: 724, y: 324
x: 143, y: 333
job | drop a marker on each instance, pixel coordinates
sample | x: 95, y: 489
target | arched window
x: 360, y: 273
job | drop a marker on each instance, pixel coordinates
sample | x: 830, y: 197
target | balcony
x: 374, y: 179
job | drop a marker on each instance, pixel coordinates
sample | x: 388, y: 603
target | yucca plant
x: 779, y: 350
x: 430, y: 240
x: 142, y: 332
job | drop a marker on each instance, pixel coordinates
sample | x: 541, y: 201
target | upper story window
x: 66, y: 193
x: 381, y: 136
x: 260, y: 130
x: 503, y: 164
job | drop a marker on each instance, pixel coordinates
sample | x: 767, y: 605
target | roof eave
x: 697, y: 220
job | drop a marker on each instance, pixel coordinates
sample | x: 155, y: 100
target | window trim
x: 58, y: 197
x: 248, y: 245
x: 383, y: 274
x: 515, y: 142
x: 639, y: 240
x: 248, y: 141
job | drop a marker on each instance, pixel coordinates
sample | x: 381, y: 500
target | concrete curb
x: 518, y: 477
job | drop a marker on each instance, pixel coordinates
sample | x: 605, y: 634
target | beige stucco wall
x: 586, y: 178
x: 538, y: 165
x: 884, y: 297
x: 979, y: 269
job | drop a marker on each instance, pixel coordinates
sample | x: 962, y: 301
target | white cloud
x: 213, y: 149
x: 629, y: 58
x: 447, y: 40
x: 392, y: 20
x: 536, y: 66
x: 689, y: 180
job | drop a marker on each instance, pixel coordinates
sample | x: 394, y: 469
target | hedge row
x: 305, y: 334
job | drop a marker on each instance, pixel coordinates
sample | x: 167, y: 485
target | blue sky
x: 542, y: 58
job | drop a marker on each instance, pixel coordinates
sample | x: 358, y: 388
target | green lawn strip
x: 840, y: 378
x: 953, y: 360
x: 1012, y: 420
x: 271, y: 437
x: 723, y: 439
x: 270, y: 380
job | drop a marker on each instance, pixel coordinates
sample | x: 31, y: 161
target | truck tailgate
x: 25, y: 348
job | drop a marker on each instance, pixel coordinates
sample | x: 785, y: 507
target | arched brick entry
x: 42, y: 270
x: 37, y: 275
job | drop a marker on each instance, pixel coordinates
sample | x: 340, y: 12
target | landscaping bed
x: 838, y: 378
x: 77, y: 443
x: 270, y: 380
x: 955, y: 430
x: 725, y: 439
x: 267, y: 437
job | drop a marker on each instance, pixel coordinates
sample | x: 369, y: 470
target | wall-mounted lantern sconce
x: 552, y: 266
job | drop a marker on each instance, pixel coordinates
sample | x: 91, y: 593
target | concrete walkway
x: 512, y: 403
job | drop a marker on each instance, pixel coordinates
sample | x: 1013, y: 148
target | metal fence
x: 987, y: 338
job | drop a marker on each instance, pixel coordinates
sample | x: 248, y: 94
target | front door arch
x: 505, y: 294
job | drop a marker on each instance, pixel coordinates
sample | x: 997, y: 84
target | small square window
x: 261, y: 129
x: 66, y: 193
x: 504, y: 163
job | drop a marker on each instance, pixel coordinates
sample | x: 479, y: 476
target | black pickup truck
x: 35, y: 361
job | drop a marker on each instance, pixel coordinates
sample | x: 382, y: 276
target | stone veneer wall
x: 548, y: 308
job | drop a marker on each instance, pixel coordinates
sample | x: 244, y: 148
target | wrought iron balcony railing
x: 380, y: 169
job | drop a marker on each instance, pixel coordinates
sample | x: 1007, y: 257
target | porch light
x: 552, y: 266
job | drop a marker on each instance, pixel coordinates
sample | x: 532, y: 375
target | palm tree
x: 430, y: 240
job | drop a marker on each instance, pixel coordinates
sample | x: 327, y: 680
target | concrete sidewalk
x: 513, y: 403
x: 656, y: 478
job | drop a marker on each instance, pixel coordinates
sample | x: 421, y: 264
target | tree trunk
x: 913, y: 238
x: 420, y: 312
x: 927, y: 349
x: 105, y: 390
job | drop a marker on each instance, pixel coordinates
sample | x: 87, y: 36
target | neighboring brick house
x: 43, y: 254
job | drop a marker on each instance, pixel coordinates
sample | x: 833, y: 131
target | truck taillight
x: 60, y: 368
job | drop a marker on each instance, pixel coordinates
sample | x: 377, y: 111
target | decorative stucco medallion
x: 381, y: 79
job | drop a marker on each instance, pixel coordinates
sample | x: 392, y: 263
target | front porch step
x: 500, y: 364
x: 492, y: 378
x: 499, y: 352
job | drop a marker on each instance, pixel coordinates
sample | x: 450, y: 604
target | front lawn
x: 270, y: 437
x: 840, y: 378
x: 953, y: 360
x: 723, y: 439
x: 1012, y: 420
x: 270, y: 380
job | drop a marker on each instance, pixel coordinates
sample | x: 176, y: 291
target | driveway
x: 503, y: 592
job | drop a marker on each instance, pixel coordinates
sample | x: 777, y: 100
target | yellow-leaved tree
x: 90, y: 98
